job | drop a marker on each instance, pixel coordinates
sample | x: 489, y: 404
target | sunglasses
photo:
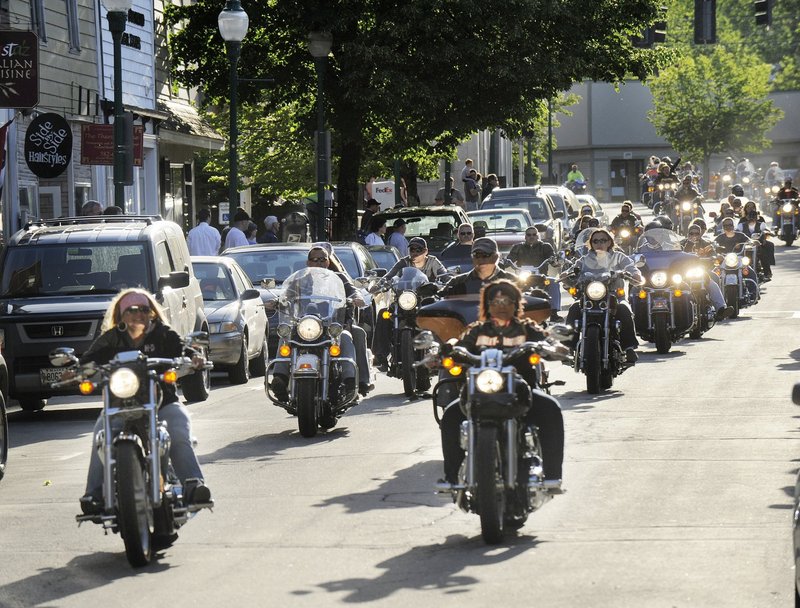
x: 134, y: 309
x: 501, y: 301
x: 600, y: 241
x: 415, y: 248
x: 481, y: 254
x: 531, y: 234
x: 317, y: 260
x: 465, y: 233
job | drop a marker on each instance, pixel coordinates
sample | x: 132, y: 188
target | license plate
x: 49, y: 375
x: 731, y: 279
x: 660, y: 305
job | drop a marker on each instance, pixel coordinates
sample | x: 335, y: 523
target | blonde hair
x: 113, y: 314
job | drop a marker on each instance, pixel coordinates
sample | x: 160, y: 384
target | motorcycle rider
x: 687, y: 190
x: 601, y: 254
x: 135, y: 321
x: 664, y: 178
x: 773, y: 175
x: 461, y: 248
x: 353, y: 340
x: 533, y: 252
x: 484, y: 255
x: 430, y: 266
x: 754, y: 224
x: 500, y: 325
x: 788, y: 191
x: 729, y: 238
x: 703, y: 248
x: 626, y: 216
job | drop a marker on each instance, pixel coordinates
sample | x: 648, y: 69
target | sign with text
x: 48, y: 145
x: 383, y: 192
x: 19, y: 69
x: 224, y: 213
x: 97, y: 144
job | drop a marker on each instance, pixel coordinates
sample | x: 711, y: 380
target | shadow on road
x: 410, y: 487
x: 27, y: 428
x: 434, y: 566
x: 80, y: 574
x: 795, y: 354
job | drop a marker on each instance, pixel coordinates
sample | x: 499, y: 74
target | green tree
x: 714, y: 102
x: 404, y: 74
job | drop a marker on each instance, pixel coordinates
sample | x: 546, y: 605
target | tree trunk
x: 346, y: 221
x: 409, y: 173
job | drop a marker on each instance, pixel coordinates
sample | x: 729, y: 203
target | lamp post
x: 117, y: 16
x: 233, y: 23
x: 319, y: 45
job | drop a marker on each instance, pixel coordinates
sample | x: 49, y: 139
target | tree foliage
x: 402, y: 75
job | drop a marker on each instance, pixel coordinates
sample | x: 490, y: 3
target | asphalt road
x: 679, y: 494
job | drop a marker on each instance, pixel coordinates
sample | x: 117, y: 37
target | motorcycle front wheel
x: 661, y: 331
x: 490, y: 492
x: 592, y: 359
x: 732, y: 299
x: 3, y: 437
x: 407, y: 363
x: 305, y: 393
x: 135, y: 511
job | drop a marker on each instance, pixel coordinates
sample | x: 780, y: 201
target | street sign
x: 19, y: 67
x: 224, y: 213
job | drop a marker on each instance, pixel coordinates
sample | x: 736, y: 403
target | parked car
x: 237, y: 322
x: 506, y: 226
x: 267, y: 267
x: 538, y: 204
x: 58, y: 277
x: 437, y: 225
x: 565, y: 201
x: 597, y: 208
x: 385, y: 256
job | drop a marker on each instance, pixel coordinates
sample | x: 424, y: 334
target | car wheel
x: 240, y: 372
x: 258, y: 366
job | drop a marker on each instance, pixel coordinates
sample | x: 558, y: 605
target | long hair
x: 113, y: 314
x: 500, y: 286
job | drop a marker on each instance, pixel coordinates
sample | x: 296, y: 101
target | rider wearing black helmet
x: 665, y: 222
x: 737, y: 190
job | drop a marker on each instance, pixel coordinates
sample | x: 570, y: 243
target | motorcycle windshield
x: 659, y: 239
x: 409, y: 279
x: 313, y: 291
x: 582, y: 241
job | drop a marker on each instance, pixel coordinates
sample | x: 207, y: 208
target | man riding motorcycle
x: 755, y: 224
x: 703, y: 248
x: 534, y: 252
x: 485, y: 270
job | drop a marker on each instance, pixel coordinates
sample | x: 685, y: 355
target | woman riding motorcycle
x: 135, y: 321
x: 602, y: 256
x: 752, y: 224
x: 500, y: 326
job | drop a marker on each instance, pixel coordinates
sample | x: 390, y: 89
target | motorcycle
x: 739, y: 281
x: 669, y: 305
x: 578, y: 186
x: 410, y: 288
x: 501, y: 477
x: 311, y: 317
x: 788, y: 222
x: 685, y: 211
x: 143, y: 500
x: 536, y: 277
x: 626, y: 235
x: 649, y: 189
x: 663, y: 196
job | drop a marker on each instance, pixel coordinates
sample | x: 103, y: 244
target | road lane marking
x: 70, y: 456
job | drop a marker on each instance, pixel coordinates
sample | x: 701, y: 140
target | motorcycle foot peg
x: 558, y: 383
x: 443, y: 487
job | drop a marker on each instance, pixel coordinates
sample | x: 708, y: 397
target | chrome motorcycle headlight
x: 658, y: 279
x: 624, y: 233
x: 745, y: 261
x: 123, y: 383
x: 767, y: 190
x: 489, y: 381
x: 677, y: 279
x: 726, y: 178
x: 686, y: 206
x: 660, y: 186
x: 407, y: 300
x: 775, y: 189
x: 695, y: 273
x: 284, y: 330
x: 787, y: 208
x: 524, y: 275
x: 596, y: 290
x: 731, y: 260
x: 309, y: 328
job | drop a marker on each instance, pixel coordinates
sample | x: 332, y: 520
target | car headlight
x: 309, y: 328
x: 787, y: 208
x: 222, y: 328
x: 658, y: 279
x: 731, y: 260
x: 686, y: 206
x: 596, y: 290
x: 745, y: 261
x: 489, y: 381
x: 695, y: 273
x: 123, y: 383
x: 284, y: 330
x: 677, y: 279
x: 407, y: 300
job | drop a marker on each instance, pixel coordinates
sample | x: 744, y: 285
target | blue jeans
x: 181, y: 452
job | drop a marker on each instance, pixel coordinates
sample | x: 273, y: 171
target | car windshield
x: 313, y: 291
x: 215, y: 282
x: 507, y: 221
x: 348, y: 257
x: 384, y: 258
x: 270, y: 263
x: 536, y: 206
x: 441, y: 224
x: 73, y: 269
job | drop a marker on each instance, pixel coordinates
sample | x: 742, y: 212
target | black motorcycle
x: 143, y: 500
x: 788, y: 220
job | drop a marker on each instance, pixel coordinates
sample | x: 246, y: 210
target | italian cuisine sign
x: 48, y: 145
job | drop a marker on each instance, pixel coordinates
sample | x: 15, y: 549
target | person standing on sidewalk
x: 203, y: 239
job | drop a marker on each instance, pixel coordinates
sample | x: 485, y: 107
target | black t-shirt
x: 470, y: 283
x: 523, y: 254
x: 727, y: 243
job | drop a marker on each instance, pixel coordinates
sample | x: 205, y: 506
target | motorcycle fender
x: 731, y: 279
x: 129, y: 437
x: 306, y: 364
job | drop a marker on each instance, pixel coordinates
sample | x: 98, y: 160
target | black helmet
x: 653, y: 225
x: 737, y: 190
x: 664, y: 221
x: 699, y: 223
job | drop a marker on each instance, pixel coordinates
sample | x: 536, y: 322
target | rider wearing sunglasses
x: 484, y: 255
x: 460, y: 250
x: 603, y: 257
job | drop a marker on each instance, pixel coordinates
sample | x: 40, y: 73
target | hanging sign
x: 48, y: 145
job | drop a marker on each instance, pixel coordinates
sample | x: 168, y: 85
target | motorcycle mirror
x: 424, y: 340
x: 268, y: 283
x: 362, y: 282
x: 198, y: 338
x: 62, y: 356
x: 796, y: 394
x: 426, y: 290
x: 560, y: 332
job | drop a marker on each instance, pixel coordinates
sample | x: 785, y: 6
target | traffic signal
x: 705, y: 21
x: 763, y: 12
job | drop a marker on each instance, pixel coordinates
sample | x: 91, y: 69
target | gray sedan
x: 237, y: 321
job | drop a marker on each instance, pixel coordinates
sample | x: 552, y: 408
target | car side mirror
x: 250, y: 294
x: 268, y: 283
x: 62, y: 356
x: 558, y: 214
x: 175, y: 280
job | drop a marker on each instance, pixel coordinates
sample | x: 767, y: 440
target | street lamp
x: 319, y: 45
x: 117, y: 16
x: 233, y: 22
